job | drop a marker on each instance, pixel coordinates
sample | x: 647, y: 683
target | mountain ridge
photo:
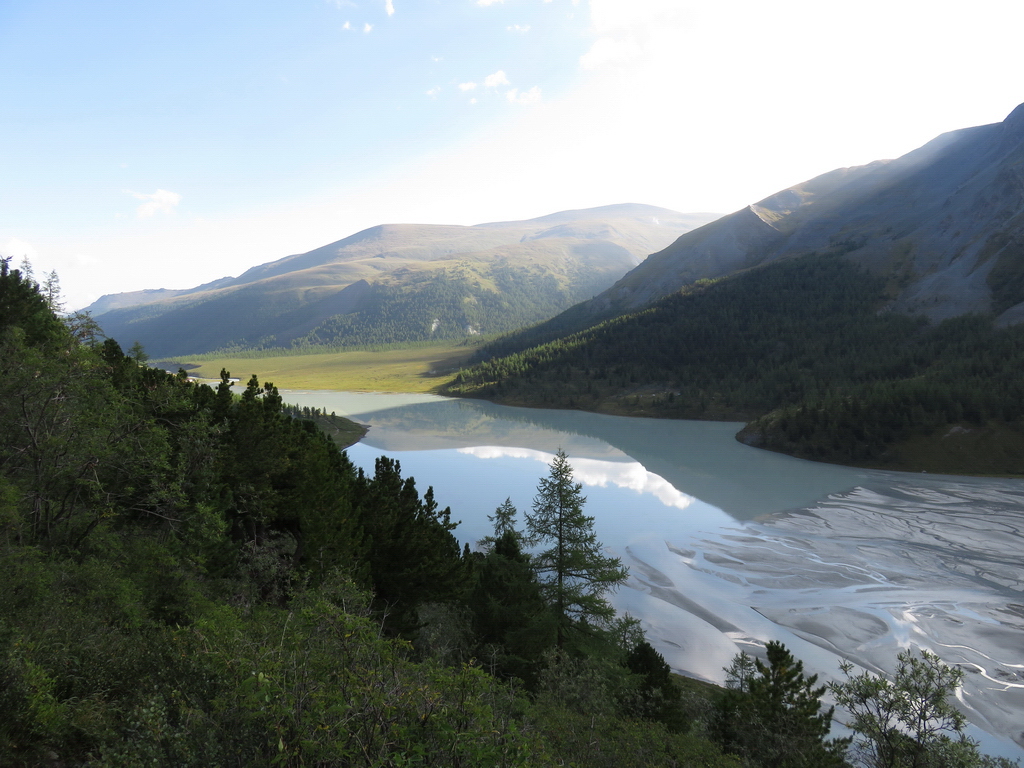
x: 872, y: 315
x: 424, y: 281
x: 875, y: 213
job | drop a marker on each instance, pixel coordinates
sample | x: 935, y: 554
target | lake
x: 729, y: 546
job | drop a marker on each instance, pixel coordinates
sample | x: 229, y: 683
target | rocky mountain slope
x: 402, y: 282
x: 944, y: 224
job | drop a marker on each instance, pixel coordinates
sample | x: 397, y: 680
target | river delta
x: 729, y: 546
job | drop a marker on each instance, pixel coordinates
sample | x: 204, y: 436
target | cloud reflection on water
x: 595, y: 472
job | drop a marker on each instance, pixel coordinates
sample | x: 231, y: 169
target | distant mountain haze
x: 402, y: 282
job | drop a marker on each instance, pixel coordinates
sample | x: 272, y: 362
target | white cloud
x: 389, y: 7
x: 597, y: 473
x: 473, y: 100
x: 531, y: 96
x: 519, y: 28
x: 488, y: 2
x: 347, y: 25
x: 498, y: 78
x: 467, y: 86
x: 628, y: 32
x: 432, y: 93
x: 367, y: 27
x: 160, y: 201
x: 18, y: 249
x: 611, y: 51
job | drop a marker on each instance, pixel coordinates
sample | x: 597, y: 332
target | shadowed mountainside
x: 869, y: 315
x: 943, y: 225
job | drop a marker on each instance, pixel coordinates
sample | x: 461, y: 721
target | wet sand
x: 932, y: 564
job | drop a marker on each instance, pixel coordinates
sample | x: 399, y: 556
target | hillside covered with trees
x: 802, y: 349
x: 198, y: 578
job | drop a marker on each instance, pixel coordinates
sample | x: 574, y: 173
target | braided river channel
x: 729, y: 546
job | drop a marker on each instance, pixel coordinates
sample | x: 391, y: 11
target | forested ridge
x: 451, y: 304
x: 802, y: 349
x: 198, y: 578
x: 455, y: 302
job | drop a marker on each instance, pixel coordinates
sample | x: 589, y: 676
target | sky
x: 164, y: 145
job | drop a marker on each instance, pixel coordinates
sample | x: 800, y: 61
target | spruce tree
x: 772, y: 715
x: 511, y: 621
x: 574, y: 571
x: 504, y: 521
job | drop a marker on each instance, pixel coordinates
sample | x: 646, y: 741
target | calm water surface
x: 729, y: 546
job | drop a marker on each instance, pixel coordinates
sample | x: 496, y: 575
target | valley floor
x: 412, y: 369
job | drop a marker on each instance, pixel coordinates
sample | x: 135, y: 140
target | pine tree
x: 51, y: 292
x: 504, y: 521
x: 574, y: 571
x: 772, y: 714
x: 511, y: 621
x: 658, y: 695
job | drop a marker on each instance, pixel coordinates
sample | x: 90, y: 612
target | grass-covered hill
x: 804, y: 350
x: 400, y: 283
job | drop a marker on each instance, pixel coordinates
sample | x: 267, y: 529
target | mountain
x: 870, y: 315
x: 402, y: 282
x: 943, y: 224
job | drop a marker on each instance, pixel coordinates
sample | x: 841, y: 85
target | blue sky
x: 155, y: 145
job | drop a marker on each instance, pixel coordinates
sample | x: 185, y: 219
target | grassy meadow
x: 411, y: 369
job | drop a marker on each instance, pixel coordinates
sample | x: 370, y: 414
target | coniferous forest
x: 194, y: 577
x: 198, y: 578
x: 804, y: 351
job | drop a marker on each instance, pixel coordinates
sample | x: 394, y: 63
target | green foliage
x: 799, y: 347
x: 22, y: 306
x: 455, y: 302
x: 911, y: 720
x: 446, y: 304
x: 574, y: 572
x: 772, y: 714
x: 575, y: 708
x: 729, y: 348
x: 412, y: 555
x: 1006, y: 278
x: 657, y: 696
x: 504, y: 521
x: 511, y: 620
x: 197, y: 579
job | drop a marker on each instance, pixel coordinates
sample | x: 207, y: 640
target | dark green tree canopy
x: 772, y: 714
x: 574, y: 571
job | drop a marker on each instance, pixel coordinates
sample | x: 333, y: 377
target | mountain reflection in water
x: 729, y: 546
